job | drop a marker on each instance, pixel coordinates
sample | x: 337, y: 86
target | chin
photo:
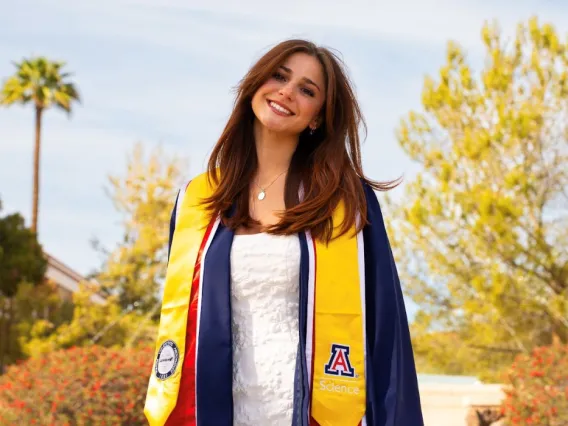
x: 275, y: 124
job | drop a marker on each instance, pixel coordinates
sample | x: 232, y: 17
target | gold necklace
x: 262, y: 194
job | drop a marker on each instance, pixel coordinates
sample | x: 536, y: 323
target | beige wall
x: 448, y: 404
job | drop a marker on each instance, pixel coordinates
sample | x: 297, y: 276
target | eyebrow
x: 306, y: 79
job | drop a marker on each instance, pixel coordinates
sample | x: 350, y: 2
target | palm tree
x: 39, y: 81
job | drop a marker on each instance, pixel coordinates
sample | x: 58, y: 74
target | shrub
x: 77, y: 387
x: 536, y: 388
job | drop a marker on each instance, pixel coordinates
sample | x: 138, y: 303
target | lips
x: 279, y: 109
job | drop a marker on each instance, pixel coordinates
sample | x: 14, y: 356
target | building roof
x: 65, y: 277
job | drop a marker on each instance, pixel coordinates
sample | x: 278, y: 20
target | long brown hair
x: 326, y: 163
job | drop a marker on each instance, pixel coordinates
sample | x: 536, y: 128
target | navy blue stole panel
x: 214, y: 379
x: 392, y: 388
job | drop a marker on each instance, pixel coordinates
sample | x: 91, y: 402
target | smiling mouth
x: 279, y: 109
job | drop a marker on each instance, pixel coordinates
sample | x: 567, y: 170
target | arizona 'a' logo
x: 339, y: 363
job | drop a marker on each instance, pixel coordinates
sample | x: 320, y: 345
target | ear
x: 314, y: 124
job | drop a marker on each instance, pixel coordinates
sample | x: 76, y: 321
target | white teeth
x: 279, y: 108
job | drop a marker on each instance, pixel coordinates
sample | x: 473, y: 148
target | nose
x: 287, y: 91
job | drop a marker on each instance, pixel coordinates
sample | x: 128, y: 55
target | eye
x: 278, y: 76
x: 308, y: 92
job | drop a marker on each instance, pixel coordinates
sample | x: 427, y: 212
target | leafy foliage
x: 32, y: 304
x: 131, y: 275
x: 78, y: 386
x: 41, y: 82
x: 21, y: 256
x: 537, y: 388
x: 481, y: 234
x: 21, y: 263
x: 135, y: 269
x: 105, y: 324
x: 439, y: 352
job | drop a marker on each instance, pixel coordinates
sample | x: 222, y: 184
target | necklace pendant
x: 261, y: 195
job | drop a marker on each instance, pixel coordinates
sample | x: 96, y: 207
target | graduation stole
x: 335, y: 338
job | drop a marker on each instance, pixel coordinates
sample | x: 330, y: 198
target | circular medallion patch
x: 167, y: 360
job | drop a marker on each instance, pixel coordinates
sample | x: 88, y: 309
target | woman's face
x: 292, y: 98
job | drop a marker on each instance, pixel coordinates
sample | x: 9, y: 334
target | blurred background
x: 108, y: 107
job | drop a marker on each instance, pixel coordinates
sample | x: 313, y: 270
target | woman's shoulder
x: 196, y: 188
x: 200, y: 179
x: 372, y: 201
x: 370, y: 194
x: 200, y: 183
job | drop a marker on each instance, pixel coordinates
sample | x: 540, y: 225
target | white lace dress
x: 264, y: 296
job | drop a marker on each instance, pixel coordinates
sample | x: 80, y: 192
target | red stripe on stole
x: 312, y: 421
x: 184, y: 412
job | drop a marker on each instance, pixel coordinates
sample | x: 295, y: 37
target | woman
x: 282, y: 304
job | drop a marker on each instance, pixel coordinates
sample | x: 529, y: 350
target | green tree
x: 481, y: 234
x: 33, y: 304
x: 21, y: 261
x: 93, y: 321
x: 42, y: 83
x: 144, y: 196
x: 131, y: 274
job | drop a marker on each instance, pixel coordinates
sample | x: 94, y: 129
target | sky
x: 162, y: 72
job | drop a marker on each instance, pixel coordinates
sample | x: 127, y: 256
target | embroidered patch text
x: 339, y: 363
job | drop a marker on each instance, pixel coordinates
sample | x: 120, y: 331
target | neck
x: 274, y: 152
